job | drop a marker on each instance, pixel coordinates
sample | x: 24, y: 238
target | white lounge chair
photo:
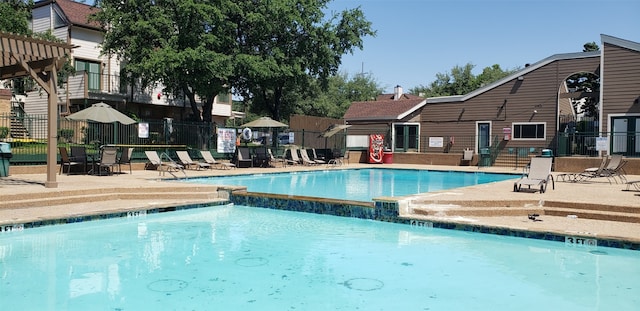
x: 539, y: 175
x: 167, y: 166
x: 305, y: 157
x: 208, y: 158
x: 186, y: 160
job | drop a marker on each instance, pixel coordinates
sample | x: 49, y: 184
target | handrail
x: 165, y: 155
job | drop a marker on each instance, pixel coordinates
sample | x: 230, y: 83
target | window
x: 529, y: 130
x: 93, y: 73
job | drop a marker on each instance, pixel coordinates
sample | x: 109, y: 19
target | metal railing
x: 165, y: 136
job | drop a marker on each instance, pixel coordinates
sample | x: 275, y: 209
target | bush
x: 66, y: 134
x: 4, y: 132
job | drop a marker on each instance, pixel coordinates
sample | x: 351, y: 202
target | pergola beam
x: 40, y: 60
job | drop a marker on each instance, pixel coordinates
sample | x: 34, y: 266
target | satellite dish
x: 246, y: 133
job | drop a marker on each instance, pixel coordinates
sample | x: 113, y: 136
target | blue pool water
x: 356, y: 184
x: 243, y: 258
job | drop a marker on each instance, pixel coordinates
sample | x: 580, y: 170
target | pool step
x: 628, y: 214
x: 195, y: 193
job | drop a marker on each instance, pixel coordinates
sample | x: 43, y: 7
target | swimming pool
x: 237, y: 257
x: 355, y: 184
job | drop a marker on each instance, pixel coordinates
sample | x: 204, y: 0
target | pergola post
x: 52, y: 130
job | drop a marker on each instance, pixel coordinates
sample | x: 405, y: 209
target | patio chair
x: 243, y: 157
x: 305, y: 157
x: 538, y: 175
x: 208, y: 158
x: 79, y: 154
x: 108, y: 160
x: 66, y: 161
x: 187, y: 162
x: 125, y: 159
x: 337, y: 158
x: 586, y: 174
x: 170, y: 165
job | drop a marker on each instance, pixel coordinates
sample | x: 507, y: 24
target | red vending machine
x: 376, y: 148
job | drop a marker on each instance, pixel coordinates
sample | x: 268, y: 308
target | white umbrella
x: 334, y: 129
x: 264, y: 122
x: 102, y: 113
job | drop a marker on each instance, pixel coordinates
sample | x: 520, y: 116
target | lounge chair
x: 108, y: 160
x: 612, y: 169
x: 539, y: 175
x: 305, y: 157
x: 337, y: 158
x: 170, y: 165
x: 208, y: 158
x: 66, y: 161
x: 243, y: 157
x: 125, y: 159
x: 315, y: 157
x: 187, y: 162
x: 282, y: 160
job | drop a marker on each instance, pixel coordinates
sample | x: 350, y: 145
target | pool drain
x: 167, y: 285
x: 363, y: 284
x: 251, y: 261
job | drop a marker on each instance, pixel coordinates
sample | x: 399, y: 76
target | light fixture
x: 520, y: 78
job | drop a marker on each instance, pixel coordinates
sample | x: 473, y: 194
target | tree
x: 461, y: 81
x: 285, y: 45
x: 15, y: 16
x: 334, y: 100
x: 590, y: 46
x: 589, y: 84
x: 267, y: 51
x: 184, y: 44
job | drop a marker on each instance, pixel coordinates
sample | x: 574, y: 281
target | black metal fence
x: 27, y: 135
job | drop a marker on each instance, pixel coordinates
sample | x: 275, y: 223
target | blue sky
x: 416, y: 39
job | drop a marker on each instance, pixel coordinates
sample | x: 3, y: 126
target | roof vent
x: 397, y: 92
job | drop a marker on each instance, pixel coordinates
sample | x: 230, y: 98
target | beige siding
x: 514, y: 101
x: 41, y: 19
x: 621, y: 82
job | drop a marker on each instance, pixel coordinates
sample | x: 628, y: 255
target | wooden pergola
x: 40, y: 60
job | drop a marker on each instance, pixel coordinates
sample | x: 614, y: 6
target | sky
x: 417, y: 39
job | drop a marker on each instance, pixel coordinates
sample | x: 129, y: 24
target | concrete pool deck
x: 617, y: 213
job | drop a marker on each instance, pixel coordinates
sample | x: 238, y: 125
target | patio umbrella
x: 264, y: 122
x: 102, y: 113
x: 334, y: 129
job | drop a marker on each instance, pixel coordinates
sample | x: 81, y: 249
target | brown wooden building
x: 518, y: 114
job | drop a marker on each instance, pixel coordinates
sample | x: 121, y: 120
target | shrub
x: 4, y: 132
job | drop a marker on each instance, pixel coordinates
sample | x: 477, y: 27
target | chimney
x: 397, y: 92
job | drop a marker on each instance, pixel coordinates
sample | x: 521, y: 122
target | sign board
x: 436, y: 142
x: 143, y: 130
x: 601, y: 143
x: 226, y: 140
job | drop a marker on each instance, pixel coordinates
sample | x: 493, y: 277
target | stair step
x: 594, y: 214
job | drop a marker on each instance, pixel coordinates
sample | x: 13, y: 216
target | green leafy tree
x: 461, y: 80
x: 184, y: 44
x: 589, y: 84
x: 590, y: 46
x: 285, y: 45
x: 268, y: 51
x: 15, y: 16
x: 333, y: 100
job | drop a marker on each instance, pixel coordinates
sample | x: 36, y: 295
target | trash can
x: 387, y: 157
x: 547, y: 153
x: 485, y: 157
x: 5, y: 155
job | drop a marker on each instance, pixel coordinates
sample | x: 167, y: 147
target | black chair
x: 243, y: 157
x: 65, y: 160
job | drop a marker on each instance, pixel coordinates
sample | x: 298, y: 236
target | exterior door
x: 483, y: 132
x: 625, y: 135
x: 406, y: 137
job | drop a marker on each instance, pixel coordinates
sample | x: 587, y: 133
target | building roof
x: 385, y: 108
x: 76, y: 13
x: 530, y: 68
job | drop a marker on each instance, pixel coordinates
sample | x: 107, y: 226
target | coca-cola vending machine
x: 376, y: 148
